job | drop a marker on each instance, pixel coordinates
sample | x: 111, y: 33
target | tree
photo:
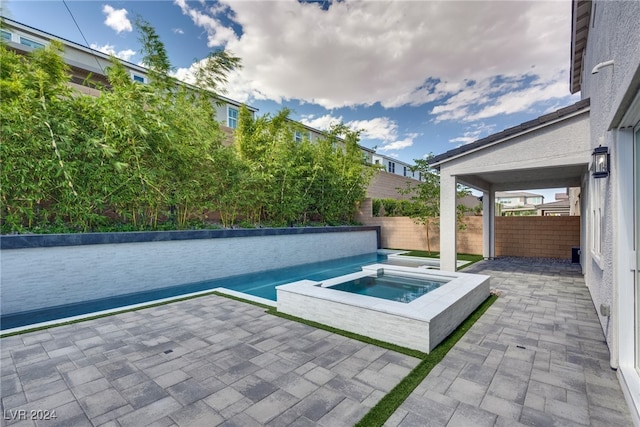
x: 297, y: 181
x: 134, y: 154
x: 425, y: 196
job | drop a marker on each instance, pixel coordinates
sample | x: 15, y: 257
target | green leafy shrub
x: 150, y: 156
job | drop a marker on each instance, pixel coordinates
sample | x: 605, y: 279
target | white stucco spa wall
x: 43, y: 277
x: 613, y: 36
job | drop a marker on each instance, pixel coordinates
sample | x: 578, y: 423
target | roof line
x: 564, y: 113
x: 104, y: 56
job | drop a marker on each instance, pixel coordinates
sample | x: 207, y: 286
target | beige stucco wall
x: 384, y: 184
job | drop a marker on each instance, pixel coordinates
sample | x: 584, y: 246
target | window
x: 6, y: 35
x: 404, y: 172
x: 138, y: 78
x: 30, y: 43
x: 232, y: 117
x: 392, y: 167
x: 299, y: 136
x: 597, y: 206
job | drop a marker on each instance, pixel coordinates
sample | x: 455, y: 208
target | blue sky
x: 419, y: 77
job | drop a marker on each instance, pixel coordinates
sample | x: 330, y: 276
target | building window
x: 597, y: 206
x: 6, y: 35
x: 232, y: 117
x: 404, y: 171
x: 138, y: 78
x: 392, y: 167
x: 299, y: 136
x: 31, y: 43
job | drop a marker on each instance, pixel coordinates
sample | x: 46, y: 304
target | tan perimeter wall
x: 537, y: 236
x: 528, y: 236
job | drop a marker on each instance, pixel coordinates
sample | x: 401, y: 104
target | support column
x: 448, y: 226
x: 488, y: 224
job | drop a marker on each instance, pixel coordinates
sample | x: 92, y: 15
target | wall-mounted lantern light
x: 601, y: 162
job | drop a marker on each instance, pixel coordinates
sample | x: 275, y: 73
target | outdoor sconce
x: 601, y: 162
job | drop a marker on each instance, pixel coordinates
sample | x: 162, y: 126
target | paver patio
x: 202, y: 362
x: 536, y: 357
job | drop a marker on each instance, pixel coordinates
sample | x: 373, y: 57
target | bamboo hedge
x: 150, y: 156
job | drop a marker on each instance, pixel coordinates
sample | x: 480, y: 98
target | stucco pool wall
x: 421, y: 324
x: 49, y: 270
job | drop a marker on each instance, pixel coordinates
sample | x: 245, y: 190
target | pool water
x: 261, y: 284
x: 389, y: 287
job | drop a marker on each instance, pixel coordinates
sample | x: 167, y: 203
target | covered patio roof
x: 548, y: 152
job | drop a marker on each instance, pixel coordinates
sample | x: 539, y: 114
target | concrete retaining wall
x: 50, y: 270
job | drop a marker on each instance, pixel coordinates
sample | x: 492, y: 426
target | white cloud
x: 474, y: 59
x: 109, y: 49
x: 117, y: 19
x: 473, y: 133
x: 399, y: 144
x: 321, y: 122
x: 380, y: 128
x: 218, y: 34
x: 385, y: 131
x: 178, y: 31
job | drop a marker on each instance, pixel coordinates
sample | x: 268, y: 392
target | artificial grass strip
x: 381, y: 412
x: 246, y: 301
x: 433, y: 254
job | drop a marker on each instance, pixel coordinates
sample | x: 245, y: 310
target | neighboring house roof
x: 509, y: 133
x: 581, y: 15
x: 392, y: 159
x: 10, y: 23
x: 500, y: 194
x: 554, y: 205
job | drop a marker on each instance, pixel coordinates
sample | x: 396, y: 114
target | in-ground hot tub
x: 413, y: 306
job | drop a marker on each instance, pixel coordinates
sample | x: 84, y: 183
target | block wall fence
x: 526, y: 236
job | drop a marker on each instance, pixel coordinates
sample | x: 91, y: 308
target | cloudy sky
x: 418, y: 77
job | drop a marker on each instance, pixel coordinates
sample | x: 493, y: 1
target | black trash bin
x: 575, y: 255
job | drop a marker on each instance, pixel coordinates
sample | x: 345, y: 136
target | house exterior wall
x: 85, y: 61
x: 614, y: 35
x: 384, y: 185
x: 394, y: 166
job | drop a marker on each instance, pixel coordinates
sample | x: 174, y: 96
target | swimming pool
x: 390, y: 287
x: 260, y: 284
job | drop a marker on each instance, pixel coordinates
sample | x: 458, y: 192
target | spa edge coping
x: 28, y: 241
